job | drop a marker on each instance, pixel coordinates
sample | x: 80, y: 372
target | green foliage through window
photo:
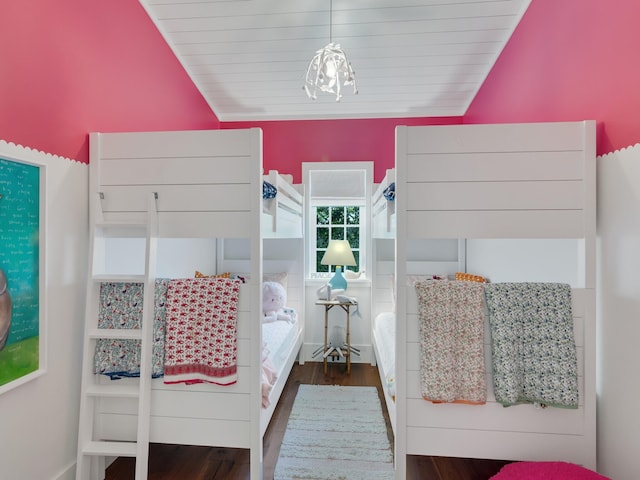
x: 337, y: 223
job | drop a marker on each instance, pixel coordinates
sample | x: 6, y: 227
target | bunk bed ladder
x: 92, y: 450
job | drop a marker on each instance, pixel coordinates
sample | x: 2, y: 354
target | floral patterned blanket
x: 121, y: 307
x: 532, y: 343
x: 201, y: 331
x: 451, y: 325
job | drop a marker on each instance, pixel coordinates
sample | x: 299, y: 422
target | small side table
x: 346, y: 306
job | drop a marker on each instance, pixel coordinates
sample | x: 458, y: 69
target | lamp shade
x: 338, y: 253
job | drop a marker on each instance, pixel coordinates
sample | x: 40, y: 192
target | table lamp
x: 339, y: 254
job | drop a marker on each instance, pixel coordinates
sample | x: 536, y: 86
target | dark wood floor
x: 181, y: 462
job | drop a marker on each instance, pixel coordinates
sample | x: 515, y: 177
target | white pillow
x: 281, y: 278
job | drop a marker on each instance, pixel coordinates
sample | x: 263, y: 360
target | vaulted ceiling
x: 412, y: 58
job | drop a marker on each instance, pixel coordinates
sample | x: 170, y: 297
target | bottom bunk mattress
x: 278, y: 339
x: 384, y: 326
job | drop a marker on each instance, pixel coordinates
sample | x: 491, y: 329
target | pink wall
x: 288, y: 143
x: 70, y: 67
x: 569, y: 60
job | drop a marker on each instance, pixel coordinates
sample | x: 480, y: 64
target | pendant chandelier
x: 329, y: 69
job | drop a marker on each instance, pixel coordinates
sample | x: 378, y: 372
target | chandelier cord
x: 329, y: 68
x: 330, y: 21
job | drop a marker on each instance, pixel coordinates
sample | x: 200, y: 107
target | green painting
x: 19, y: 270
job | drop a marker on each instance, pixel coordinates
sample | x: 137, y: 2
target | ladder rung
x: 118, y: 391
x: 130, y: 278
x: 108, y: 224
x: 121, y: 230
x: 111, y: 449
x: 115, y: 333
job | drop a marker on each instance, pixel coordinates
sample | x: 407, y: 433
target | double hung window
x: 338, y: 199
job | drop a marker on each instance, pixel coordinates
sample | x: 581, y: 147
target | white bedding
x: 277, y: 340
x: 279, y: 337
x: 384, y: 327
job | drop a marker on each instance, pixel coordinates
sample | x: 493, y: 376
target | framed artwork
x: 22, y: 285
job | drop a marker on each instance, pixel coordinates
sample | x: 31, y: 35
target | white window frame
x: 313, y: 240
x: 365, y: 256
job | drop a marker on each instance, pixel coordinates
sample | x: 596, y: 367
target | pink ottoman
x: 546, y: 471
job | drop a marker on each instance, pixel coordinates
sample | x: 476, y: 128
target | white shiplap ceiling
x: 412, y: 58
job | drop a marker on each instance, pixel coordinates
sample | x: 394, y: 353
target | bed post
x: 401, y: 306
x: 256, y: 247
x: 589, y: 266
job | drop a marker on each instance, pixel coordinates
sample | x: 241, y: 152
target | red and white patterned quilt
x: 201, y: 331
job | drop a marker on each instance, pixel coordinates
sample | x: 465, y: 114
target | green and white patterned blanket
x: 532, y: 344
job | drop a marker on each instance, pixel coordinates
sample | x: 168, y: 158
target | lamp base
x: 338, y: 281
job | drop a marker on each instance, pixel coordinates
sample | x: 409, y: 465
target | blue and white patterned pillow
x: 268, y: 190
x: 390, y: 192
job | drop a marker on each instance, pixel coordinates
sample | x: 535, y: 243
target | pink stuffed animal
x: 274, y: 298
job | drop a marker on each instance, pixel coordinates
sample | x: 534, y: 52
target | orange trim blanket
x: 451, y: 321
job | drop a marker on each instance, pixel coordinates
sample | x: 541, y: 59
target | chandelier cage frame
x: 329, y: 69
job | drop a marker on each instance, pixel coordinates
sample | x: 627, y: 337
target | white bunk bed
x: 383, y: 207
x: 283, y: 214
x: 207, y: 187
x: 283, y: 263
x: 383, y: 313
x: 522, y: 183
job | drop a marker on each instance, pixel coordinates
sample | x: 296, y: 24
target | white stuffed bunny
x: 274, y: 298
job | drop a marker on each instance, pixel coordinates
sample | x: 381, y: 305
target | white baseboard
x: 69, y: 473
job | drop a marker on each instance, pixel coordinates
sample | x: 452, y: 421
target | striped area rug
x: 335, y: 433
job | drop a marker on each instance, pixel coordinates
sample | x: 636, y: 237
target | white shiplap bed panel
x: 495, y: 224
x: 179, y: 145
x: 511, y: 181
x: 463, y: 184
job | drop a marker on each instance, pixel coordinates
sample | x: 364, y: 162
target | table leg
x: 326, y: 327
x: 348, y: 342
